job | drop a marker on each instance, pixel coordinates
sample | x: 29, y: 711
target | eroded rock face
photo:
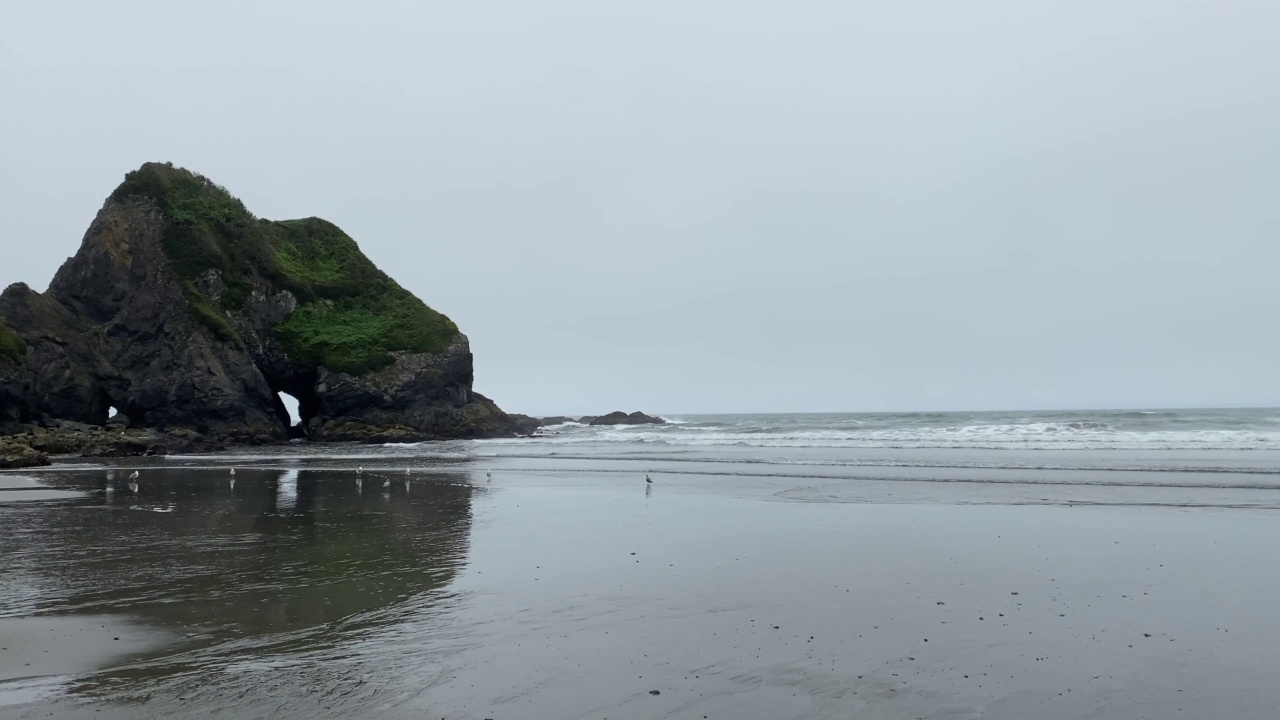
x: 183, y: 311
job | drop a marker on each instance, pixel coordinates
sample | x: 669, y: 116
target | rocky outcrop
x: 185, y: 312
x: 621, y: 418
x: 16, y: 454
x: 554, y: 420
x: 71, y: 438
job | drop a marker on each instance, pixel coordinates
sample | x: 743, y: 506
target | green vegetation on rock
x: 13, y: 349
x: 350, y: 317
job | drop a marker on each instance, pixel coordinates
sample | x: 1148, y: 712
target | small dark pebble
x: 655, y: 692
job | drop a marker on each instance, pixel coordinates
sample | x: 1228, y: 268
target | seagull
x: 646, y: 479
x: 360, y: 470
x: 233, y: 472
x: 407, y: 471
x: 488, y: 476
x: 386, y: 483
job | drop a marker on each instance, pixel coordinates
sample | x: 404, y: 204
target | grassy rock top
x: 350, y: 317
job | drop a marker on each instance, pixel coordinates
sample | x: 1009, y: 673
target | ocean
x: 1226, y: 429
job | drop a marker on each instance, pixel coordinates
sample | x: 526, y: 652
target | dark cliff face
x: 182, y: 310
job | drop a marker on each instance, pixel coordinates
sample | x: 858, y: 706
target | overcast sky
x: 719, y: 206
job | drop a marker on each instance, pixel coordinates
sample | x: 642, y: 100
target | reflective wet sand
x: 564, y: 591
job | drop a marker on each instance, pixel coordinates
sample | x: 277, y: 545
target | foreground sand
x: 578, y: 595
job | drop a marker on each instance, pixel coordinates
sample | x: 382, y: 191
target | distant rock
x: 621, y: 418
x: 555, y: 420
x: 15, y: 454
x: 523, y: 424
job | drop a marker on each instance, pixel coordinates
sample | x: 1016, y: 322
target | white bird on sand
x: 134, y: 476
x: 386, y: 483
x: 360, y: 470
x: 233, y: 472
x: 407, y: 471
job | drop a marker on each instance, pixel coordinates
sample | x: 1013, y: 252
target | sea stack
x: 185, y: 311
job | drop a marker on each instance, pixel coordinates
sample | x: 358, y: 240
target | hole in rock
x: 291, y: 405
x: 112, y: 412
x: 289, y: 411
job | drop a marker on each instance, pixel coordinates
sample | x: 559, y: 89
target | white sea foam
x: 1068, y: 435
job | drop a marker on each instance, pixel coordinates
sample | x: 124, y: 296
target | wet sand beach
x: 568, y: 588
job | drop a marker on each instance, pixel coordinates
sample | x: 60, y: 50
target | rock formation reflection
x: 281, y: 562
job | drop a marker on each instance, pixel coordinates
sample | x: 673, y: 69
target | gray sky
x: 719, y: 206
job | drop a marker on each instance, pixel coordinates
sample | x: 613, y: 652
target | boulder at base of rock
x: 14, y: 454
x: 621, y: 418
x: 555, y: 420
